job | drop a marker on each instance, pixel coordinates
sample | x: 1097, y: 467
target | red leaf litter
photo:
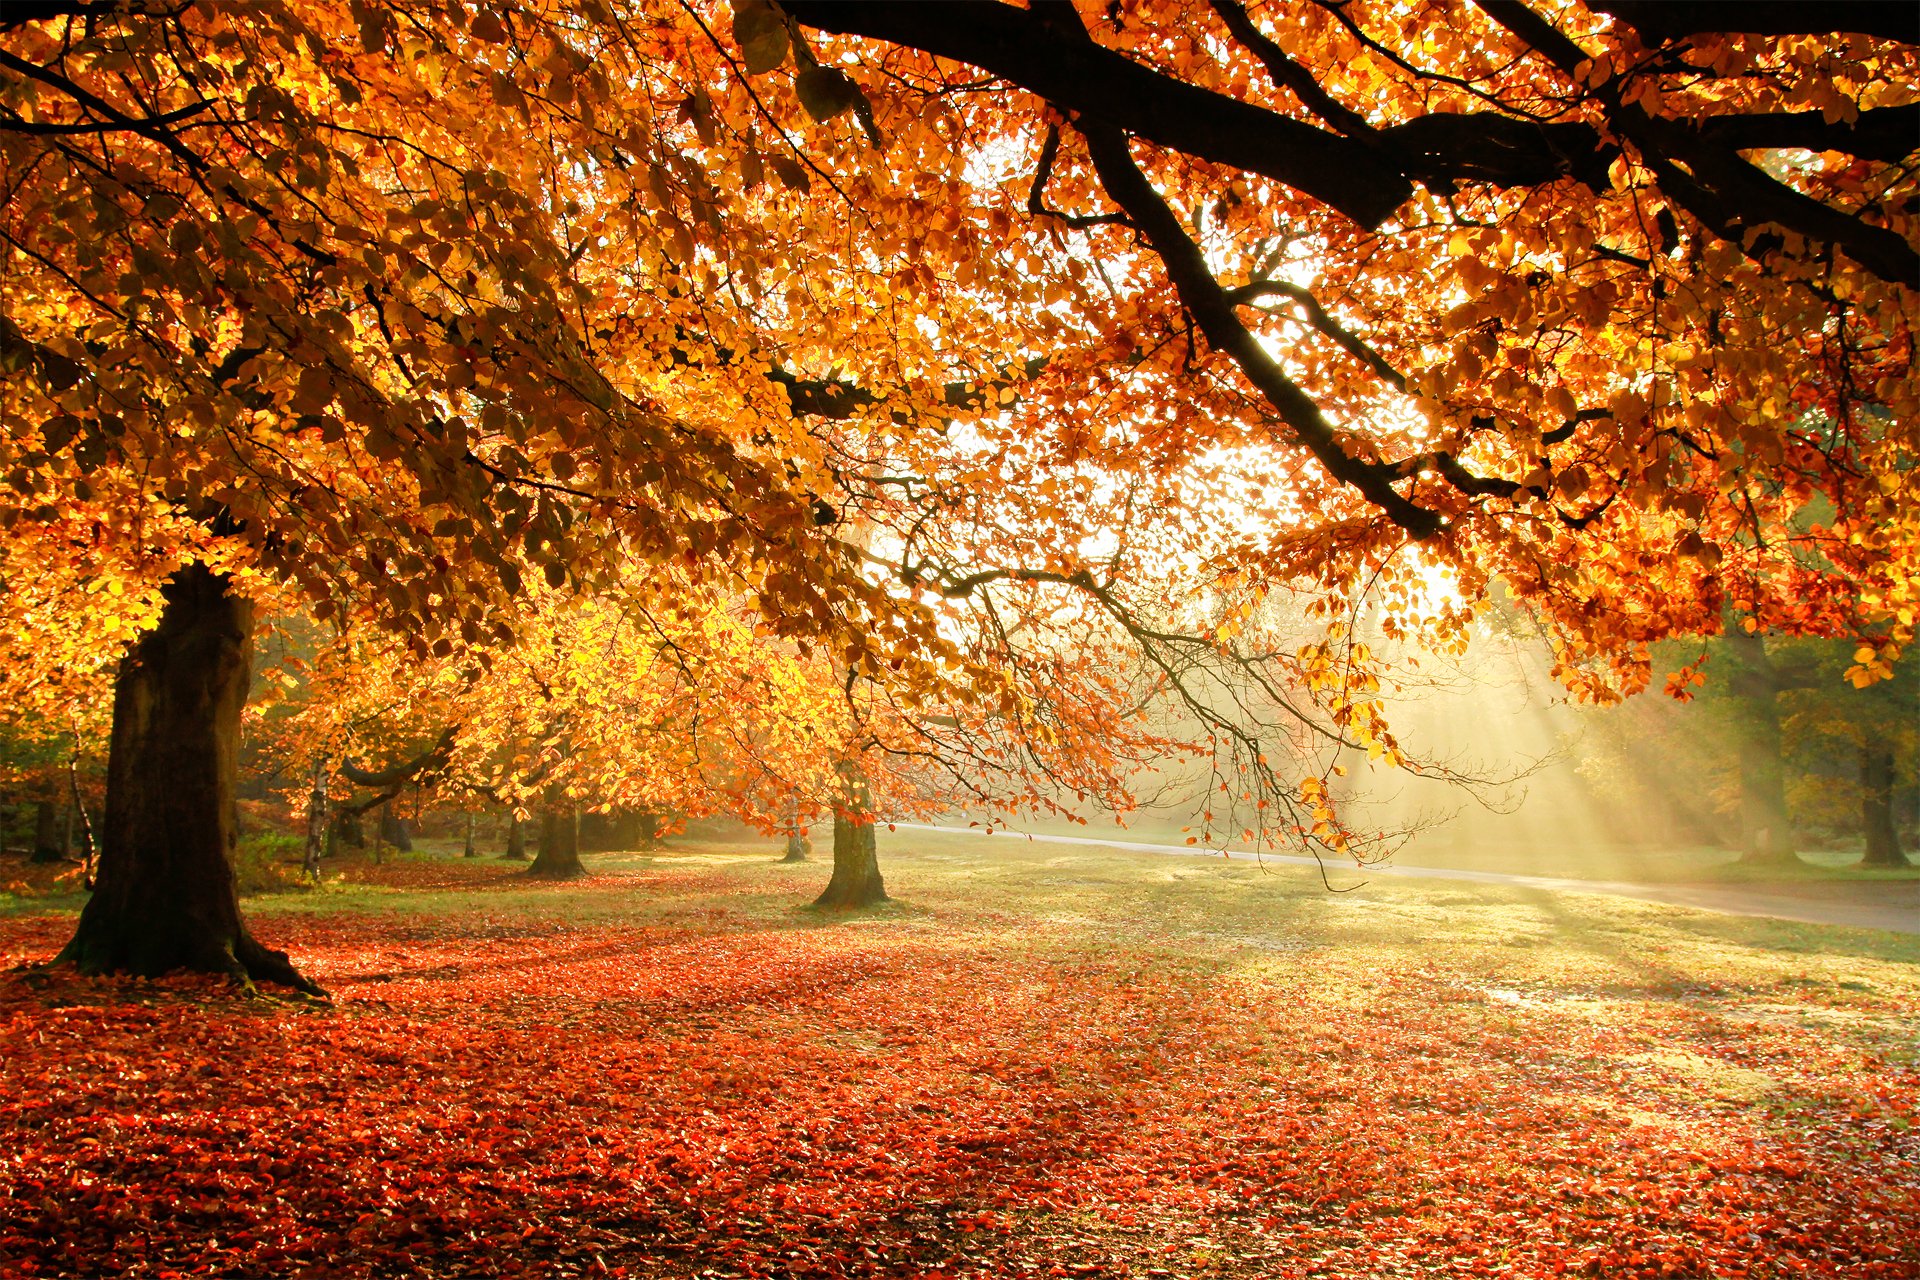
x: 933, y: 1095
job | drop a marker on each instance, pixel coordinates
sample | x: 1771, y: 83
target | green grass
x: 1207, y: 905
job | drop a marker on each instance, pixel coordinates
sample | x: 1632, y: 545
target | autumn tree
x: 314, y: 281
x: 1856, y: 744
x: 1544, y: 289
x: 394, y: 303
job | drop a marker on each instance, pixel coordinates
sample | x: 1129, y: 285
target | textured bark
x: 1876, y: 806
x: 468, y: 849
x: 165, y: 898
x: 77, y: 813
x: 856, y: 864
x: 647, y: 828
x: 46, y: 832
x: 559, y: 854
x: 393, y: 830
x: 516, y: 850
x: 318, y: 844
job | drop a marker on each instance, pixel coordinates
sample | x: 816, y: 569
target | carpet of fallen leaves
x: 691, y: 1075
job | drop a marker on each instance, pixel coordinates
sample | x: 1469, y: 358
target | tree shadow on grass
x: 1625, y: 945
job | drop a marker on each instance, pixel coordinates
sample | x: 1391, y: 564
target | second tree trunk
x: 558, y: 857
x: 1876, y: 806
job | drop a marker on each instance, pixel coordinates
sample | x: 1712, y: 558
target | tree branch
x: 1213, y: 310
x: 394, y: 774
x: 11, y: 123
x: 1078, y: 76
x: 1663, y: 20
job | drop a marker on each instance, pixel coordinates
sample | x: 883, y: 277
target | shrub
x: 269, y: 862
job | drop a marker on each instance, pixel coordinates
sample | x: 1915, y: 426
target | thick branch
x: 841, y: 398
x: 1677, y: 19
x: 1364, y: 177
x: 1884, y: 133
x: 1213, y: 310
x: 1712, y: 182
x: 432, y: 758
x: 1289, y: 74
x: 146, y: 128
x: 144, y: 125
x: 1099, y: 85
x: 20, y: 12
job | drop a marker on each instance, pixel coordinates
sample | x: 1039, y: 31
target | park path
x: 1862, y: 904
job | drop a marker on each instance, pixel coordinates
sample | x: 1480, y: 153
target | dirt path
x: 1886, y: 904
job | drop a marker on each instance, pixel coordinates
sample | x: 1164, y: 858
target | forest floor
x: 1040, y: 1061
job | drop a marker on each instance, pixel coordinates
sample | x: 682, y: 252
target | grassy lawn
x: 1042, y: 1060
x: 1698, y: 865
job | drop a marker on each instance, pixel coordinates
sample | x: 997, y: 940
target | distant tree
x: 1857, y: 746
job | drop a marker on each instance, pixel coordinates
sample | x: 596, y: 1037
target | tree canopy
x: 885, y: 317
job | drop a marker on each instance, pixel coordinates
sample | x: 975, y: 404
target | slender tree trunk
x: 46, y: 832
x: 516, y: 839
x: 1876, y: 806
x: 559, y: 854
x: 469, y: 849
x: 165, y: 899
x: 319, y: 838
x: 856, y: 864
x: 1766, y: 835
x: 798, y: 846
x: 89, y: 853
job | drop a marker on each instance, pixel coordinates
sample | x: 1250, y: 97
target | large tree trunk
x: 165, y: 897
x: 1876, y: 806
x: 46, y: 832
x: 393, y: 829
x: 559, y: 854
x: 856, y: 864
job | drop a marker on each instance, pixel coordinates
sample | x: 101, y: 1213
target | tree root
x: 243, y: 961
x: 263, y: 964
x: 563, y: 873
